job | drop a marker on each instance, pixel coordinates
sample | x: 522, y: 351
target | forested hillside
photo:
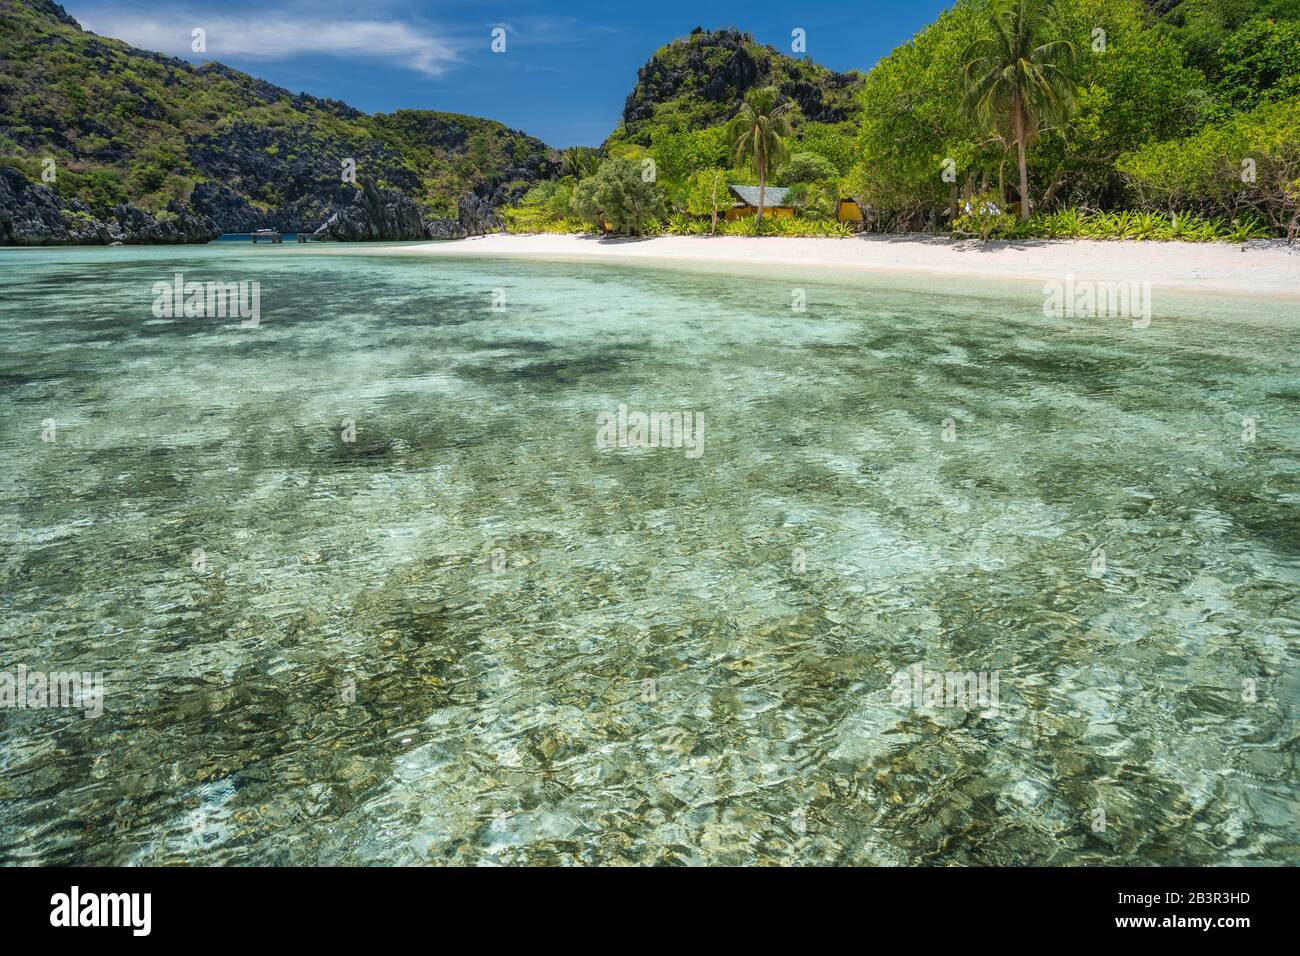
x: 128, y: 126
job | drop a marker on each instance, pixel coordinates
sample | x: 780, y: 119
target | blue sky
x: 563, y: 77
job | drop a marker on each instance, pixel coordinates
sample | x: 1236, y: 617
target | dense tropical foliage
x: 1170, y: 119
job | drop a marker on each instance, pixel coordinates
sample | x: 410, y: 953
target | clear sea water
x: 434, y: 643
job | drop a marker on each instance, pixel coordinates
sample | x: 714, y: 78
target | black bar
x: 936, y: 907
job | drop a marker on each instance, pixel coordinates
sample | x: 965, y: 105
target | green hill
x: 700, y: 80
x: 128, y: 126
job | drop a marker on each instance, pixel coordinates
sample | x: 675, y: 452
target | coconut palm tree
x: 758, y: 135
x: 1019, y: 79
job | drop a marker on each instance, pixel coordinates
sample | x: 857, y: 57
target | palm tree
x: 1019, y: 78
x: 577, y: 162
x: 758, y: 135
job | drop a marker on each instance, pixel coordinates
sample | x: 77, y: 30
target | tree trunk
x: 1020, y: 150
x: 1024, y: 185
x: 1048, y: 196
x: 762, y: 194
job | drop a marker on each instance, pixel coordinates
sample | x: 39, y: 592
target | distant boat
x: 271, y: 234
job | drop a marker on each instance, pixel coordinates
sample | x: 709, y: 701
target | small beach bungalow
x: 746, y: 203
x: 849, y: 212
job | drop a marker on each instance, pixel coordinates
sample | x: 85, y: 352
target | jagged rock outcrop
x: 55, y: 11
x: 177, y: 223
x: 475, y: 218
x: 295, y: 174
x: 375, y: 215
x: 385, y: 215
x: 231, y: 211
x: 33, y: 214
x: 707, y: 74
x: 30, y: 215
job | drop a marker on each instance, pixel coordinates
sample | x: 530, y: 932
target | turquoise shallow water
x: 433, y: 643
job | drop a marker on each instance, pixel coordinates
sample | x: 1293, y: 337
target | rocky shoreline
x: 33, y: 214
x: 386, y: 215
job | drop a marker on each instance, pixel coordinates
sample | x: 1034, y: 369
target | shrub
x: 1245, y: 228
x: 815, y: 200
x: 1249, y: 163
x: 1139, y: 226
x: 679, y: 224
x: 707, y: 194
x: 788, y: 226
x: 806, y: 168
x: 620, y: 197
x: 544, y: 205
x: 745, y: 226
x: 983, y: 216
x: 835, y: 230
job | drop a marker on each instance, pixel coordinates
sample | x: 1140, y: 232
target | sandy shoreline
x: 1261, y: 269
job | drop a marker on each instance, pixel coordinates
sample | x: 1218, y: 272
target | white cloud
x: 279, y: 37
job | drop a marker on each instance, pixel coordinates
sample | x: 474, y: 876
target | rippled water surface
x: 433, y: 644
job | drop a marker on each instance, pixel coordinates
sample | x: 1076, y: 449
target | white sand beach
x: 1258, y: 269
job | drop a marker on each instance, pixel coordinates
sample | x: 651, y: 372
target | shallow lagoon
x: 431, y: 644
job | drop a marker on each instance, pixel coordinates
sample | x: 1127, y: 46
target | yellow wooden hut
x: 849, y: 212
x: 746, y: 203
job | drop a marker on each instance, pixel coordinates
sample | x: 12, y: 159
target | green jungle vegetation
x: 1017, y: 119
